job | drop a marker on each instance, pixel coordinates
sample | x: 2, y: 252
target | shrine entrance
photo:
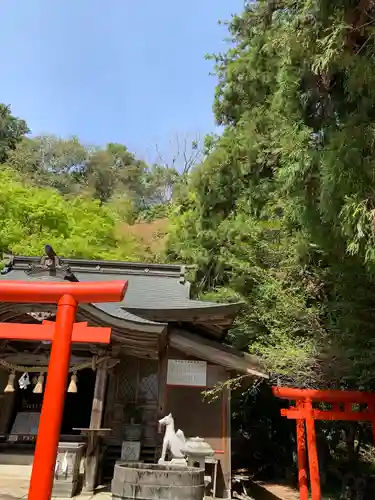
x: 61, y: 334
x: 151, y: 336
x: 344, y: 405
x: 27, y: 406
x: 26, y: 401
x: 78, y: 405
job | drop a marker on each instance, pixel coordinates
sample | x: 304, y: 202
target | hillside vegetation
x: 86, y: 201
x: 281, y: 214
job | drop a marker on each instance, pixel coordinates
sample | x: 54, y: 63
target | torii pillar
x: 67, y: 296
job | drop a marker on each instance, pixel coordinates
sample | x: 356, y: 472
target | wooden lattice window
x: 127, y: 376
x: 137, y: 381
x: 148, y: 381
x: 136, y: 384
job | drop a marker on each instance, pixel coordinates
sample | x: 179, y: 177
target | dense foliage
x: 87, y: 201
x: 101, y: 173
x: 77, y: 227
x: 12, y: 130
x: 280, y: 215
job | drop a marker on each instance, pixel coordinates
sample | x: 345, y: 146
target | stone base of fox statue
x: 175, y: 461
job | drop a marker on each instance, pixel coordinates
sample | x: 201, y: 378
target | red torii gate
x: 67, y: 296
x: 304, y: 412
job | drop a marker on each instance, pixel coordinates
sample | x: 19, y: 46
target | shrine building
x: 166, y: 350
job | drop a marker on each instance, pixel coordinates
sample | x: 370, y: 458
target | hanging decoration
x: 10, y: 384
x: 24, y: 380
x: 44, y: 369
x: 38, y: 389
x: 73, y: 383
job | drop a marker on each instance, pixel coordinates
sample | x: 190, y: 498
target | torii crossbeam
x: 67, y: 296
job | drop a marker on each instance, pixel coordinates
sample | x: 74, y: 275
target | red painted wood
x: 53, y: 403
x: 313, y: 453
x: 304, y: 412
x: 50, y: 293
x: 354, y: 416
x: 45, y: 332
x: 327, y: 396
x: 67, y: 296
x: 302, y: 459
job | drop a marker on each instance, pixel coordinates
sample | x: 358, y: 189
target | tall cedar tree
x: 281, y: 213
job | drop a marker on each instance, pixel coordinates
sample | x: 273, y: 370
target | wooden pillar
x: 162, y: 382
x: 99, y: 395
x: 312, y: 451
x: 162, y: 395
x: 93, y: 447
x: 301, y: 457
x: 227, y: 393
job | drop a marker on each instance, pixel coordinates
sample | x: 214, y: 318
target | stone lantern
x: 196, y: 450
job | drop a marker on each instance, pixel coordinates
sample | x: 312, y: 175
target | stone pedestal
x: 198, y: 453
x: 67, y: 472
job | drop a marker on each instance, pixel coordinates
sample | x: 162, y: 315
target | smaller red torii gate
x: 67, y: 296
x: 305, y: 414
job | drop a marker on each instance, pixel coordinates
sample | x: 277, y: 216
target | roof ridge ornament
x: 182, y: 278
x: 8, y: 261
x: 51, y: 265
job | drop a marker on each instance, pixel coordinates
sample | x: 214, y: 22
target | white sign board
x: 187, y: 373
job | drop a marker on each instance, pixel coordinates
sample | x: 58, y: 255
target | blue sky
x: 112, y: 70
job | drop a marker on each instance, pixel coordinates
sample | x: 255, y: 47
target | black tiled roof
x: 157, y: 293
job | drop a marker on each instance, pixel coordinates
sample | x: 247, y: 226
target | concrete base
x: 16, y: 489
x: 62, y: 489
x: 16, y: 458
x: 21, y: 472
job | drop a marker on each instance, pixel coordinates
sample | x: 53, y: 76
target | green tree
x: 281, y: 215
x: 76, y: 227
x: 12, y: 130
x: 102, y: 173
x: 115, y: 171
x: 158, y: 184
x: 51, y: 161
x: 281, y: 212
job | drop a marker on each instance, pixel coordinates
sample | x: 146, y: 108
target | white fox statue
x: 172, y: 441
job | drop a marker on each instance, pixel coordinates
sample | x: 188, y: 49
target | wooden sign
x: 187, y: 373
x: 130, y: 451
